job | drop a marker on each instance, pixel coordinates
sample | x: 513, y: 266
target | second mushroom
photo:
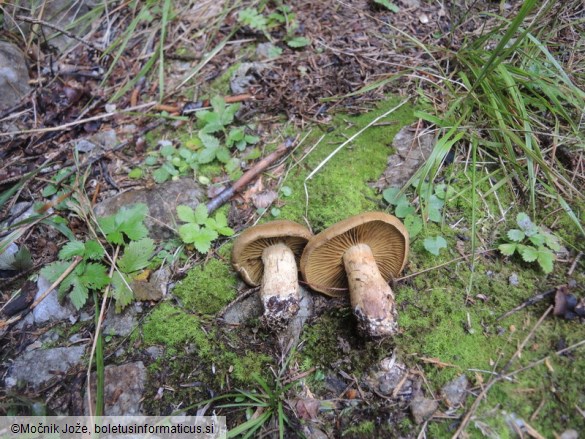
x: 360, y: 254
x: 268, y: 255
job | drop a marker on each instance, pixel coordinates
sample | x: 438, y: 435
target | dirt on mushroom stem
x: 280, y: 291
x: 371, y: 297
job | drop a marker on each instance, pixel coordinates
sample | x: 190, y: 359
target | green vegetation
x: 201, y: 230
x: 124, y: 229
x: 207, y: 288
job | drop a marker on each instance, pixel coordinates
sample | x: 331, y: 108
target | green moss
x: 340, y: 188
x: 207, y: 288
x: 363, y: 429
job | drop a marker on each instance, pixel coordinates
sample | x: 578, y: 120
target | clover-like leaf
x: 507, y: 249
x: 413, y: 224
x: 528, y: 253
x: 515, y: 235
x: 434, y: 244
x: 186, y: 214
x: 545, y: 259
x: 72, y: 249
x: 403, y: 209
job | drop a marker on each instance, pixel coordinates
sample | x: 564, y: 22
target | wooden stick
x: 224, y: 196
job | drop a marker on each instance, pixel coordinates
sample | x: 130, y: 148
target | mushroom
x: 362, y: 253
x: 268, y: 255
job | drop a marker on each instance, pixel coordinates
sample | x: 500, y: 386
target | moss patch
x: 207, y: 288
x: 340, y: 188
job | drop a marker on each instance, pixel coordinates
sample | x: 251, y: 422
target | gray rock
x: 289, y: 336
x: 7, y: 258
x: 422, y: 409
x: 569, y: 434
x: 155, y: 352
x: 390, y: 375
x: 123, y: 389
x: 244, y: 76
x: 411, y: 152
x: 58, y: 12
x: 103, y: 140
x: 162, y: 201
x: 49, y: 309
x: 454, y: 392
x: 266, y: 51
x: 513, y: 280
x: 13, y: 75
x: 120, y: 324
x: 242, y: 310
x: 39, y: 366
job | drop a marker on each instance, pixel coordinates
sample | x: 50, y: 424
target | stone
x: 61, y: 13
x: 49, y: 309
x: 454, y: 392
x: 513, y: 280
x: 13, y: 75
x: 123, y: 389
x: 422, y: 409
x: 412, y: 150
x: 242, y: 310
x: 120, y: 324
x: 162, y: 201
x: 569, y: 434
x: 39, y: 366
x: 245, y: 75
x: 102, y: 140
x: 155, y: 352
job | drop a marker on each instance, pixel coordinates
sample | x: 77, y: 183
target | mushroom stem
x: 280, y: 291
x: 371, y: 297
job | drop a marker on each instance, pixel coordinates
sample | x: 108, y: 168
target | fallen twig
x: 530, y: 301
x: 248, y: 176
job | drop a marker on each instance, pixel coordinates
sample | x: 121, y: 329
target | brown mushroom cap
x: 322, y: 260
x: 248, y: 248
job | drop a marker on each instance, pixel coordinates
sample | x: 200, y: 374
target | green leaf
x: 135, y: 174
x: 131, y: 215
x: 515, y: 235
x: 93, y: 250
x: 52, y: 271
x: 95, y: 276
x: 235, y: 135
x: 160, y: 175
x: 121, y: 291
x: 207, y: 155
x: 413, y: 224
x: 228, y: 115
x: 209, y: 141
x: 388, y: 5
x: 286, y: 191
x: 201, y: 213
x: 393, y: 197
x: 188, y: 232
x: 434, y: 244
x: 79, y: 292
x: 223, y: 154
x: 167, y: 150
x: 507, y: 249
x: 275, y: 212
x: 251, y: 17
x: 546, y: 259
x: 136, y: 255
x: 251, y: 140
x: 186, y: 214
x: 528, y: 253
x: 203, y: 239
x: 552, y: 242
x: 524, y: 222
x: 537, y: 240
x: 72, y: 249
x: 49, y: 190
x: 403, y: 209
x: 298, y: 42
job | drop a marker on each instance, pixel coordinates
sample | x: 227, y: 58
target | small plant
x: 200, y: 229
x: 388, y: 5
x: 434, y: 200
x: 126, y: 229
x: 533, y: 243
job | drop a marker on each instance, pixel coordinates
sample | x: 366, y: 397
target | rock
x: 242, y: 310
x: 49, y: 309
x: 39, y: 366
x: 162, y: 201
x: 388, y: 376
x: 120, y: 324
x: 569, y: 434
x: 13, y: 75
x: 411, y: 153
x: 153, y: 289
x: 422, y: 409
x: 8, y: 257
x: 290, y: 335
x: 155, y: 352
x: 267, y: 51
x: 513, y: 280
x: 454, y: 392
x: 103, y: 140
x: 61, y: 13
x: 245, y: 75
x: 123, y: 389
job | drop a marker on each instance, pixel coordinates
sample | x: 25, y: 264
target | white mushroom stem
x: 280, y: 291
x: 371, y: 297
